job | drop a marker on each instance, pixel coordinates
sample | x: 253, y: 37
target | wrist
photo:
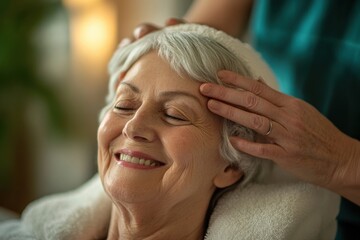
x: 347, y: 177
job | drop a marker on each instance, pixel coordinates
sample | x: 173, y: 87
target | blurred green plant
x: 19, y: 83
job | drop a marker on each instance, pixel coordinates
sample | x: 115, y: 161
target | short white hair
x: 200, y: 58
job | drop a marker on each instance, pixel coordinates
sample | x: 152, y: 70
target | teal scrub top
x: 314, y: 49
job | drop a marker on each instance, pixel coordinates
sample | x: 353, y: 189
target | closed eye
x: 177, y: 118
x: 123, y: 108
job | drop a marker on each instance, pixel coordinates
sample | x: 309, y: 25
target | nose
x: 140, y: 127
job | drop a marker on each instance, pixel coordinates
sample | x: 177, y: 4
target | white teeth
x: 135, y: 160
x: 140, y: 161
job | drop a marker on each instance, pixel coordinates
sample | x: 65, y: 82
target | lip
x: 136, y: 154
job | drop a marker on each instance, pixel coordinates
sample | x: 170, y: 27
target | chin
x: 123, y: 187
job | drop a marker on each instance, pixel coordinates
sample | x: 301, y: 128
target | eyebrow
x: 173, y: 94
x: 167, y: 94
x: 132, y: 87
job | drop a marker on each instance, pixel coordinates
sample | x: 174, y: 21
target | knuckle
x: 297, y: 124
x: 297, y: 105
x: 257, y: 88
x: 221, y: 93
x: 261, y: 150
x: 251, y: 101
x: 258, y: 122
x: 230, y: 113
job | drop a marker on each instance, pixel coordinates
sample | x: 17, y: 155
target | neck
x: 149, y: 223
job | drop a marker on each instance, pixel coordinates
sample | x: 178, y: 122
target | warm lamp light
x: 92, y: 34
x: 79, y: 3
x: 93, y: 37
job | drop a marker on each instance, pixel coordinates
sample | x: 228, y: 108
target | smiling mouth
x: 139, y: 161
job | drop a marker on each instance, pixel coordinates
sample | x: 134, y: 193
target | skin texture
x: 302, y: 140
x: 159, y: 115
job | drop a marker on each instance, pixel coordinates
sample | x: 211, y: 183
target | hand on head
x: 299, y: 138
x: 146, y: 28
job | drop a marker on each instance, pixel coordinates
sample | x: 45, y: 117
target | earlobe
x: 228, y: 176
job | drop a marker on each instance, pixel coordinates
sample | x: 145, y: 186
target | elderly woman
x: 164, y: 159
x: 162, y: 154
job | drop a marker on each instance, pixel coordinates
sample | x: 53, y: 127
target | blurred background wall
x: 53, y: 81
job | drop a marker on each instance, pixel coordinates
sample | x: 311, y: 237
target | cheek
x: 194, y: 150
x: 181, y: 145
x: 195, y: 163
x: 109, y: 129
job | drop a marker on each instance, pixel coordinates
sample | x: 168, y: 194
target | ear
x: 228, y: 176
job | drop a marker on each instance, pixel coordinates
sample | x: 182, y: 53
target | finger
x: 173, y: 21
x: 124, y: 42
x: 261, y: 80
x: 258, y: 123
x: 244, y: 99
x: 261, y: 150
x: 143, y: 29
x: 255, y: 87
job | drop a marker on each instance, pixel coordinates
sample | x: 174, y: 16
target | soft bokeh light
x: 93, y: 36
x: 55, y: 78
x: 80, y: 3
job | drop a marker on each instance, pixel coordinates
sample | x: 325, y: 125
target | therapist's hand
x: 297, y: 137
x: 146, y: 28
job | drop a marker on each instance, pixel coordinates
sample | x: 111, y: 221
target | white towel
x: 277, y: 210
x: 296, y: 211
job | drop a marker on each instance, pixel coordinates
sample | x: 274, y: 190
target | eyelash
x: 175, y: 118
x: 172, y: 117
x: 123, y: 108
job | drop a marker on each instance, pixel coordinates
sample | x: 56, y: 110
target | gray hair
x: 200, y: 58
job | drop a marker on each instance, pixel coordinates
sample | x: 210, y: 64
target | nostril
x: 138, y: 130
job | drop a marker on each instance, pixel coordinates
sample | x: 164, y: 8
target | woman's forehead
x: 152, y: 71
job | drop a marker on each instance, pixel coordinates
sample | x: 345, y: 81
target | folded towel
x: 296, y: 211
x: 80, y: 214
x: 277, y: 210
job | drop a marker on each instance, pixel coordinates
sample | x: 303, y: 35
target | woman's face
x: 159, y: 143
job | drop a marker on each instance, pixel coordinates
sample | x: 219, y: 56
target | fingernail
x: 222, y: 74
x: 170, y: 21
x: 173, y: 21
x: 124, y: 42
x: 139, y: 32
x: 205, y: 88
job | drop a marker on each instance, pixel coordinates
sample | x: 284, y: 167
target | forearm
x: 347, y: 177
x: 230, y: 16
